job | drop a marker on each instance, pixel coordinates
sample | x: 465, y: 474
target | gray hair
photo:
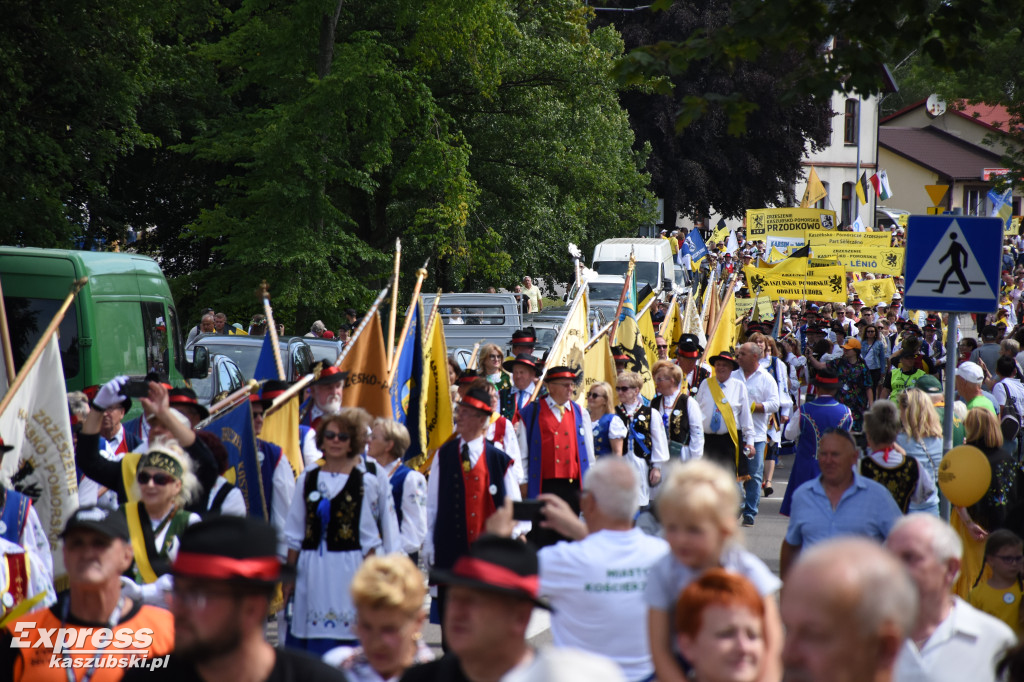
x: 946, y: 544
x: 615, y: 487
x: 882, y: 422
x: 885, y: 591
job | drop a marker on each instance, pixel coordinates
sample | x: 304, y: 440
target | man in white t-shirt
x: 532, y: 294
x: 596, y: 584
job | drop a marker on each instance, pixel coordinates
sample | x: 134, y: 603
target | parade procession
x: 512, y: 341
x: 610, y: 475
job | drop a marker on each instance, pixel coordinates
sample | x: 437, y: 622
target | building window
x: 821, y: 203
x: 850, y: 122
x: 848, y: 200
x: 972, y: 201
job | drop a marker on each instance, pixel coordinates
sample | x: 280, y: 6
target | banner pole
x: 394, y: 303
x: 230, y: 401
x: 41, y: 345
x: 421, y: 275
x: 554, y: 345
x: 597, y: 337
x: 272, y: 328
x: 622, y: 296
x: 5, y: 339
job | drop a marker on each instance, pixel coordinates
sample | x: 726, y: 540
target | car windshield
x: 321, y: 351
x: 245, y: 357
x: 605, y: 291
x: 546, y: 336
x: 646, y: 272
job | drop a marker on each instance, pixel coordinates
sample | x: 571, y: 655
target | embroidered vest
x: 602, y: 441
x: 558, y: 456
x: 700, y: 374
x: 345, y: 511
x: 531, y: 419
x: 639, y: 439
x: 901, y: 482
x: 678, y: 417
x: 451, y: 534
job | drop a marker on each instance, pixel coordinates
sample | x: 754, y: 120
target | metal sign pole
x: 950, y: 389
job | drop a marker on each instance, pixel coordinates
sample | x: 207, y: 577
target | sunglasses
x: 595, y: 396
x: 334, y: 435
x: 145, y: 477
x: 660, y: 347
x: 496, y: 355
x: 623, y: 389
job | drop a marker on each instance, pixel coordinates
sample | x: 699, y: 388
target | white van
x: 654, y: 264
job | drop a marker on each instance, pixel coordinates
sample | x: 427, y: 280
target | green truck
x: 123, y: 320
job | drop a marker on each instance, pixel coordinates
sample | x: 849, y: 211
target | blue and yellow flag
x: 629, y: 338
x: 696, y: 247
x: 234, y: 429
x: 407, y: 394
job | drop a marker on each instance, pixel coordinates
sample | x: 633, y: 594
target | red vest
x: 558, y: 455
x: 479, y: 502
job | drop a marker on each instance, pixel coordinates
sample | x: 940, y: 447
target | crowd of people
x: 620, y: 514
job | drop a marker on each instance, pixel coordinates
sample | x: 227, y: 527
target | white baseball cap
x: 970, y: 372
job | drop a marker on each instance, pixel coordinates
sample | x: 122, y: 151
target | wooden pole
x: 472, y: 358
x: 421, y: 275
x: 41, y: 345
x: 394, y: 303
x: 597, y: 337
x: 433, y: 312
x: 718, y: 318
x: 5, y: 340
x: 308, y: 379
x: 230, y: 401
x: 272, y: 328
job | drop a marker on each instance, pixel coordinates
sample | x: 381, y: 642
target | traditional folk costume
x: 645, y: 446
x: 727, y: 422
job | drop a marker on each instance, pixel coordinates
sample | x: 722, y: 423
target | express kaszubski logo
x: 88, y: 647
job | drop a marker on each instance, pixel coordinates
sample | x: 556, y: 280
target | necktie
x: 520, y: 398
x: 466, y: 464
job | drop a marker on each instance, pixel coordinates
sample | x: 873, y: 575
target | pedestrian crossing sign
x: 953, y: 263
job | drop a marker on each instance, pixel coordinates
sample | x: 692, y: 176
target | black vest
x: 639, y: 431
x: 901, y: 482
x: 678, y: 417
x: 346, y: 509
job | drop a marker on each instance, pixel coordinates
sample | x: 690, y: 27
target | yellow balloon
x: 964, y: 475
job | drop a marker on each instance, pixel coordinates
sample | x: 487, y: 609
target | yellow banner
x: 882, y: 260
x: 598, y: 365
x: 720, y: 234
x: 787, y: 222
x: 725, y: 335
x: 574, y: 337
x: 646, y: 326
x: 672, y: 326
x: 764, y: 306
x: 818, y: 238
x: 820, y: 284
x: 439, y: 402
x: 875, y: 291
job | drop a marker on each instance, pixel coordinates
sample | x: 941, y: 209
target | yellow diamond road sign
x: 936, y: 192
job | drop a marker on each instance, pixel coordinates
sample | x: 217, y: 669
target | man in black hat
x: 275, y: 470
x: 686, y: 357
x: 469, y: 480
x: 524, y: 371
x: 620, y: 358
x: 325, y: 396
x: 523, y: 341
x: 492, y: 592
x: 184, y: 400
x: 558, y: 442
x: 97, y: 550
x: 225, y: 575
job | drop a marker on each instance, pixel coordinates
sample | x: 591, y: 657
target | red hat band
x: 689, y: 353
x: 562, y: 375
x: 470, y: 401
x: 225, y: 568
x: 495, y: 575
x: 827, y: 380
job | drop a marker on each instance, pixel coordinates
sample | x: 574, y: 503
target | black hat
x: 756, y: 326
x: 856, y: 300
x: 826, y: 378
x: 109, y: 523
x: 270, y: 389
x: 326, y: 373
x: 619, y: 354
x: 237, y: 549
x: 524, y: 359
x: 186, y: 396
x: 689, y: 346
x: 351, y: 311
x: 727, y: 356
x: 526, y: 336
x: 989, y: 331
x: 930, y: 328
x: 478, y: 399
x: 562, y: 372
x: 496, y: 564
x: 466, y: 376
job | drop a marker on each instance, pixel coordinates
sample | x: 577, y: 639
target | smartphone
x: 527, y: 510
x: 137, y: 387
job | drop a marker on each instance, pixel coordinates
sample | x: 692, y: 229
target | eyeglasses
x: 145, y: 477
x: 1012, y: 559
x: 496, y: 355
x: 194, y: 598
x: 334, y: 435
x: 595, y: 396
x: 662, y: 347
x: 623, y: 389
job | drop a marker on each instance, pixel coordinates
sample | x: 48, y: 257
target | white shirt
x: 695, y: 450
x: 233, y: 504
x: 509, y: 444
x: 414, y: 507
x: 523, y: 395
x: 596, y: 588
x: 735, y: 392
x: 476, y: 451
x: 965, y: 646
x: 763, y: 389
x: 391, y: 538
x: 284, y: 488
x: 1012, y: 389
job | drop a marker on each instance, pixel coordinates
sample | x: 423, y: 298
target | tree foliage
x: 706, y: 156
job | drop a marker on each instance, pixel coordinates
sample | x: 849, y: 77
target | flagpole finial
x: 264, y: 290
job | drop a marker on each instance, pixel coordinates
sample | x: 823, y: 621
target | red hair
x: 717, y: 587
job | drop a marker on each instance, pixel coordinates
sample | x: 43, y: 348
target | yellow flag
x: 572, y: 340
x: 875, y: 291
x: 720, y: 234
x: 281, y: 428
x: 794, y: 264
x: 366, y: 364
x: 598, y: 365
x: 672, y: 326
x: 725, y: 335
x: 815, y: 191
x: 439, y: 403
x: 646, y: 327
x: 774, y: 256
